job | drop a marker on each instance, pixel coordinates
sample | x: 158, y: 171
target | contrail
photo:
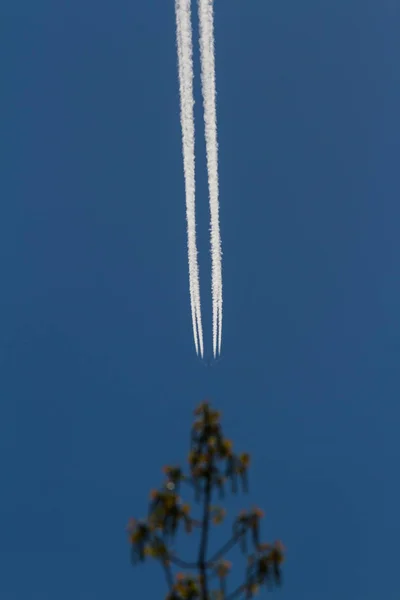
x: 207, y: 56
x: 185, y: 68
x: 185, y: 65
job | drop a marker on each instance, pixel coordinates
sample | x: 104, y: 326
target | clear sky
x: 98, y: 373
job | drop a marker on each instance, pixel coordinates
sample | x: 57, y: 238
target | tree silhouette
x: 212, y: 464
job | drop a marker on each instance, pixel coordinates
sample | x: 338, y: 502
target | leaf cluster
x: 213, y: 465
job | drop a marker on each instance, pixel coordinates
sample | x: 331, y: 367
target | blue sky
x: 98, y: 371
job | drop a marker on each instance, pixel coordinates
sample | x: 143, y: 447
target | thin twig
x: 168, y: 575
x: 228, y: 546
x: 236, y: 593
x: 182, y: 563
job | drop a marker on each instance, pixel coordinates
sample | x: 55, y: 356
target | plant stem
x: 202, y: 563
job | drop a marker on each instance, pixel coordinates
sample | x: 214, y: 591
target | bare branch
x: 228, y: 546
x: 182, y: 563
x: 236, y: 593
x: 168, y: 575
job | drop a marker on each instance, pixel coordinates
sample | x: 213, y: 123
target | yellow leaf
x: 245, y: 459
x: 219, y: 516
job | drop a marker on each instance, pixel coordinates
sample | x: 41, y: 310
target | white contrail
x: 185, y: 68
x: 207, y: 56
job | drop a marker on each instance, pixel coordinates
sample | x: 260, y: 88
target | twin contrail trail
x: 185, y: 68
